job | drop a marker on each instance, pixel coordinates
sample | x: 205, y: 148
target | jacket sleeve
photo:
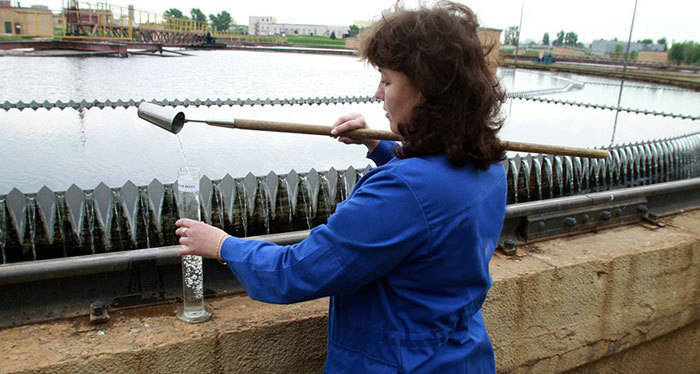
x: 383, y: 153
x: 368, y: 235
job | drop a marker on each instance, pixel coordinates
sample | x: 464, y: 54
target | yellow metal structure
x: 103, y: 18
x: 105, y: 21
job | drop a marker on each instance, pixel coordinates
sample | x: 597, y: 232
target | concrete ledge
x: 675, y: 352
x: 564, y: 303
x: 601, y: 302
x: 244, y: 336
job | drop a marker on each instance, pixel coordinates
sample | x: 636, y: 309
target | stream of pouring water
x: 182, y: 149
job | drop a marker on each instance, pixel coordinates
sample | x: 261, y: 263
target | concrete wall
x: 675, y: 352
x: 622, y: 300
x: 653, y: 56
x: 352, y: 43
x: 563, y: 51
x: 569, y: 302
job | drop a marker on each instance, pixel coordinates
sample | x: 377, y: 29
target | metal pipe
x: 579, y: 201
x: 111, y: 262
x: 173, y: 121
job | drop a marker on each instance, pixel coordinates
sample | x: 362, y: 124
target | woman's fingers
x: 188, y: 246
x: 198, y: 238
x: 357, y: 123
x: 185, y: 222
x: 186, y: 251
x: 347, y: 126
x: 348, y: 122
x: 346, y: 117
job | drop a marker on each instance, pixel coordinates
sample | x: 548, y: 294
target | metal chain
x: 84, y: 104
x: 608, y: 107
x: 639, y: 86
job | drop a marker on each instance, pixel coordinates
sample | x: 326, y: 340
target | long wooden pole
x: 300, y: 128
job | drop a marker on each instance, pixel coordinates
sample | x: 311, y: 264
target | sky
x: 677, y: 20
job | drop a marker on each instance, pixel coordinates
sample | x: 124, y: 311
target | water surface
x: 59, y: 148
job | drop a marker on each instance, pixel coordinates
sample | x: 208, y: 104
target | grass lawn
x: 315, y: 41
x: 5, y: 38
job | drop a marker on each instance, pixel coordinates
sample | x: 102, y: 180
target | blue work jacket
x: 405, y: 261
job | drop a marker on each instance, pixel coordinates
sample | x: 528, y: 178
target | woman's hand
x: 199, y: 238
x: 352, y: 121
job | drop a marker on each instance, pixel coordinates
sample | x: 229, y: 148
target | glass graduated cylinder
x: 193, y: 309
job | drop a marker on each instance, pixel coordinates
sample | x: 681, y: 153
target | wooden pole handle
x: 554, y: 149
x: 300, y: 128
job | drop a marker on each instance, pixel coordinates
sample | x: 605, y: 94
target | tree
x: 570, y: 39
x: 198, y: 16
x: 560, y: 38
x: 332, y: 35
x: 545, y: 38
x: 618, y: 51
x: 221, y: 21
x: 353, y: 31
x: 685, y: 53
x: 512, y: 35
x: 677, y: 53
x: 173, y: 12
x: 634, y: 55
x: 239, y: 29
x: 645, y: 41
x: 694, y: 55
x: 663, y: 41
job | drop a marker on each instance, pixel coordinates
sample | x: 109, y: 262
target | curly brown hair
x: 440, y: 52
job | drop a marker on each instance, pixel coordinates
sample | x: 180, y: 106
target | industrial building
x: 269, y: 26
x: 36, y: 20
x: 602, y: 46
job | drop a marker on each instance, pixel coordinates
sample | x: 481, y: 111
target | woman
x: 405, y: 256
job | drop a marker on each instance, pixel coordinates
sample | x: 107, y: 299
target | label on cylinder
x: 187, y: 184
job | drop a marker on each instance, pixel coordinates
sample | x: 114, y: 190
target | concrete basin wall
x: 620, y: 300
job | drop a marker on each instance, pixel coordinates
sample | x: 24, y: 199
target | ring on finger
x: 184, y: 231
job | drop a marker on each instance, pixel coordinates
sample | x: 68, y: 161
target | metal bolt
x: 98, y: 312
x: 586, y: 218
x: 509, y: 247
x: 605, y: 215
x: 570, y: 221
x: 541, y: 225
x: 617, y: 212
x: 643, y: 208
